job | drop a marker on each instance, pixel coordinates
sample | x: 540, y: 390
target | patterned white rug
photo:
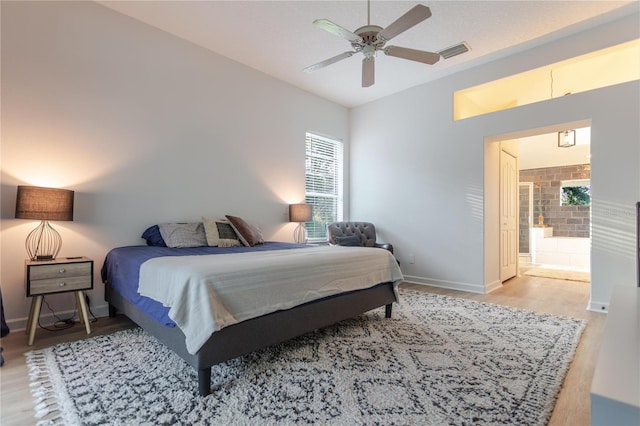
x: 439, y: 360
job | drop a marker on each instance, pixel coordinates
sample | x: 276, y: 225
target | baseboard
x: 452, y: 285
x: 493, y: 286
x: 47, y: 319
x: 600, y: 307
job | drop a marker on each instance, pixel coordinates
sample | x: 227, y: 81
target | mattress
x: 121, y: 269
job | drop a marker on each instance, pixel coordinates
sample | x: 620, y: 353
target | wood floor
x: 557, y: 297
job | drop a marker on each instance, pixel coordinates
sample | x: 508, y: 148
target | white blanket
x: 210, y: 292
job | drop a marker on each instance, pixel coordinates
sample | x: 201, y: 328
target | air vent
x: 456, y: 50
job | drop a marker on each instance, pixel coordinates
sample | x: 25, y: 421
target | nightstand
x: 61, y: 275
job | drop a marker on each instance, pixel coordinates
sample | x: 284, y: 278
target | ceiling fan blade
x: 329, y: 61
x: 414, y: 16
x: 337, y: 30
x: 368, y: 72
x: 412, y: 54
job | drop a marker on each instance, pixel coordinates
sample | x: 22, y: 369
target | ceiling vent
x: 456, y: 50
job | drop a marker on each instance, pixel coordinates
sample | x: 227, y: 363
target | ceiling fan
x: 372, y: 38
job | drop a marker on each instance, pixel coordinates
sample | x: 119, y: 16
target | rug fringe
x: 44, y: 409
x: 42, y: 390
x: 45, y: 401
x: 56, y: 421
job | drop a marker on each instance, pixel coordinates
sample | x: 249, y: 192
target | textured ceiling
x: 278, y: 38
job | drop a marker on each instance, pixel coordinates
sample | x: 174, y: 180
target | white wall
x: 432, y: 181
x: 146, y: 128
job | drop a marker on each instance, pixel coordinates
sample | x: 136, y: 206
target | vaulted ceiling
x: 278, y: 38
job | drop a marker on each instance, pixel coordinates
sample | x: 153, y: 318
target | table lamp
x: 300, y: 213
x: 44, y: 204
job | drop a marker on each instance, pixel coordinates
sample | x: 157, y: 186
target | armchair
x: 364, y: 230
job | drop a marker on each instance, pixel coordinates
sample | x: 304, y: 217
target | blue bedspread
x: 121, y: 270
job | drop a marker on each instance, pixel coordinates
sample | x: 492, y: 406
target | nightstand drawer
x: 59, y: 271
x: 57, y: 285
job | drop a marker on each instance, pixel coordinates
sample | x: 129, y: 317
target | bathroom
x: 554, y: 217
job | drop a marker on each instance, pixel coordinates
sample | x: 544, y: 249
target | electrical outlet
x: 412, y: 259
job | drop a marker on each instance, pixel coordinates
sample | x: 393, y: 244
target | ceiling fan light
x: 369, y: 51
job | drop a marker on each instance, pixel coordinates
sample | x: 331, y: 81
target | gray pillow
x: 350, y: 241
x: 183, y: 234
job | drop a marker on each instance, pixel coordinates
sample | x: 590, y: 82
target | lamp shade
x: 34, y: 202
x: 299, y: 212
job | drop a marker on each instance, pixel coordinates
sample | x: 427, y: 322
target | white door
x: 508, y: 216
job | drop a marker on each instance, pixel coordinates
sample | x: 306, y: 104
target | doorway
x: 511, y: 142
x: 559, y: 246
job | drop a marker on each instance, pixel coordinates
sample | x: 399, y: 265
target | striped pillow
x: 220, y: 233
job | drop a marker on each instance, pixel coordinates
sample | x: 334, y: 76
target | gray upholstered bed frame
x: 257, y: 333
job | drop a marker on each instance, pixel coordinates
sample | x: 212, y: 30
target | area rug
x: 439, y: 360
x: 559, y: 274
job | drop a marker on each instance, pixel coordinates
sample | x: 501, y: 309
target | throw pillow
x: 248, y: 235
x: 220, y: 233
x: 350, y: 241
x: 153, y: 237
x: 183, y: 234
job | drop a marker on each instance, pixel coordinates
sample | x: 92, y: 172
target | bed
x: 127, y: 271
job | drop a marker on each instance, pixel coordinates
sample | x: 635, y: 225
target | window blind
x: 323, y: 183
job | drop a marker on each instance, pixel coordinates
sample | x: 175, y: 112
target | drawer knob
x: 62, y: 271
x: 62, y: 284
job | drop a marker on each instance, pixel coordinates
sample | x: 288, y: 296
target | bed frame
x: 257, y: 333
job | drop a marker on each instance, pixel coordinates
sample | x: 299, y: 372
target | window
x: 602, y: 68
x: 323, y: 184
x: 575, y: 192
